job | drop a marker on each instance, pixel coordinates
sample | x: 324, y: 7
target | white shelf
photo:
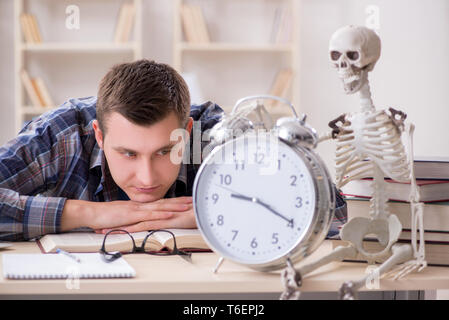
x: 246, y: 54
x: 78, y: 46
x: 232, y: 47
x: 23, y: 111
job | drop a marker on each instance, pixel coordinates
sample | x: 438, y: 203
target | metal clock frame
x: 321, y: 220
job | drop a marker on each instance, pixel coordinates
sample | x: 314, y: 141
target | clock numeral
x: 225, y: 179
x: 235, y: 234
x: 293, y: 182
x: 215, y: 197
x: 275, y: 238
x: 220, y: 220
x: 254, y: 243
x: 290, y: 223
x: 279, y: 165
x: 239, y: 165
x: 298, y: 202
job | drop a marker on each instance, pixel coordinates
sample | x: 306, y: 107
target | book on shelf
x: 42, y: 90
x: 430, y: 190
x: 283, y: 32
x: 194, y: 24
x: 431, y: 167
x: 30, y: 28
x: 276, y: 23
x: 281, y: 85
x: 38, y: 93
x: 125, y: 23
x: 30, y: 89
x: 436, y: 214
x: 190, y: 239
x: 37, y: 90
x: 437, y: 253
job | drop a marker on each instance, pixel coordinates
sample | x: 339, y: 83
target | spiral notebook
x: 58, y: 266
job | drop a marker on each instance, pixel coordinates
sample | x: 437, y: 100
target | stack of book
x: 125, y: 23
x: 37, y: 90
x: 194, y: 24
x: 30, y: 28
x: 433, y: 184
x: 281, y: 32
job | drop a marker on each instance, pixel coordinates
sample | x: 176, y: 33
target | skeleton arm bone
x: 335, y: 128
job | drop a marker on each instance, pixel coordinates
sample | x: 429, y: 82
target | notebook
x: 57, y: 266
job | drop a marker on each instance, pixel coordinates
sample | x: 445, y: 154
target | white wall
x: 6, y: 71
x: 412, y: 74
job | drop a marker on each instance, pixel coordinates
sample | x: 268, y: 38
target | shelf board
x: 223, y: 46
x: 78, y: 46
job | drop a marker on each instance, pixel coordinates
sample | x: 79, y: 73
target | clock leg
x: 218, y: 265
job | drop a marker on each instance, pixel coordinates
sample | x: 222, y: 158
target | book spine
x: 35, y: 29
x: 188, y: 24
x: 129, y: 22
x: 29, y: 88
x: 121, y: 23
x: 38, y: 92
x: 44, y: 93
x: 203, y: 35
x: 26, y: 30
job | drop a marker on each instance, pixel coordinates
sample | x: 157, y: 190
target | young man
x: 74, y: 166
x: 104, y: 162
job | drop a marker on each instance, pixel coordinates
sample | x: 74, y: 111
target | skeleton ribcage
x: 370, y: 139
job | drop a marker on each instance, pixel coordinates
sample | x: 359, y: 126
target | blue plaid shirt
x: 55, y: 157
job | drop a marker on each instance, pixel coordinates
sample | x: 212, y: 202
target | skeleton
x: 368, y: 145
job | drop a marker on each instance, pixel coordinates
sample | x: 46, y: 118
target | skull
x: 354, y: 51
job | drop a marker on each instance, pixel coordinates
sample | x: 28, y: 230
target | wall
x: 411, y: 74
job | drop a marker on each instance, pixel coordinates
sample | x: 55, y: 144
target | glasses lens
x: 118, y: 241
x: 160, y: 242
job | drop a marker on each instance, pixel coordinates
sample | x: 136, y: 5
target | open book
x: 91, y: 242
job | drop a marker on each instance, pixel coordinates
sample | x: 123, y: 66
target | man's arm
x: 107, y: 215
x: 26, y: 172
x: 36, y: 162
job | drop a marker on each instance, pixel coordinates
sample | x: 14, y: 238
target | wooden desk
x: 173, y: 275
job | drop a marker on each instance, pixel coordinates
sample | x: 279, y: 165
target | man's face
x: 139, y: 157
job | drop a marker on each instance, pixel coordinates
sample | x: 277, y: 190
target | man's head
x: 139, y: 105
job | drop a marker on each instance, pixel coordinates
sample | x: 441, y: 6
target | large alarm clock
x: 263, y: 196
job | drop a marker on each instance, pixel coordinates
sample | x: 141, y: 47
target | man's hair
x: 144, y: 92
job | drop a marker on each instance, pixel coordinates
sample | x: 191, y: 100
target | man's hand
x: 118, y: 214
x: 183, y: 220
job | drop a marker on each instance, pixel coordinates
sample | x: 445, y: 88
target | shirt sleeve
x: 29, y: 165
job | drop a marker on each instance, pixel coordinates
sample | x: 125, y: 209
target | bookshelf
x: 257, y: 60
x: 30, y: 43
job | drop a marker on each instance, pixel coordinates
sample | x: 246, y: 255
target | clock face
x: 254, y: 201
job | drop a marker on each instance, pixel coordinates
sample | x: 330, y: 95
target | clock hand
x: 238, y: 195
x: 274, y: 211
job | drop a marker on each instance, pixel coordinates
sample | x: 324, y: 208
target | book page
x: 185, y: 238
x: 88, y: 241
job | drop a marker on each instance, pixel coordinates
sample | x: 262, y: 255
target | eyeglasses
x: 108, y: 241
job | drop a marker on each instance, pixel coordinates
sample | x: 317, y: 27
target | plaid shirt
x: 55, y: 157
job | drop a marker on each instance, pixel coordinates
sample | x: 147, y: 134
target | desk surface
x: 172, y: 274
